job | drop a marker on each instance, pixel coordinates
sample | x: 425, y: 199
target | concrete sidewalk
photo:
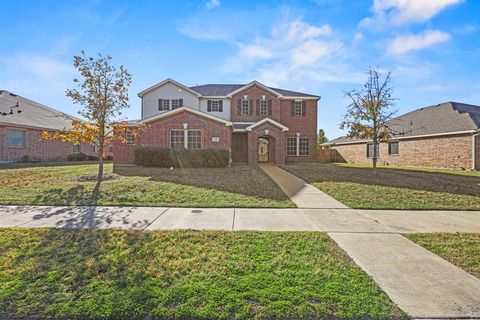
x: 303, y: 194
x: 325, y: 220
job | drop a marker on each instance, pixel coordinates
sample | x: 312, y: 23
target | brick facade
x: 281, y: 112
x: 454, y: 152
x: 37, y: 148
x: 157, y: 134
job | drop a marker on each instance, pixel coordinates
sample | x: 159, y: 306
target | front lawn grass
x: 461, y: 249
x: 102, y: 274
x: 357, y: 187
x: 212, y: 187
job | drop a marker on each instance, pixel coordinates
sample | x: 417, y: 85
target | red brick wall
x: 254, y: 93
x: 157, y: 134
x: 36, y: 147
x: 274, y: 132
x: 281, y: 112
x: 453, y: 152
x: 477, y: 151
x: 307, y: 126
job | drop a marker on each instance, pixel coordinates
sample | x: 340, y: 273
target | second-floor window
x: 175, y: 104
x: 163, y: 104
x: 215, y: 106
x: 263, y: 107
x: 298, y: 109
x: 245, y: 110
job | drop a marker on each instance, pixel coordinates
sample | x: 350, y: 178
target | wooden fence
x: 328, y: 156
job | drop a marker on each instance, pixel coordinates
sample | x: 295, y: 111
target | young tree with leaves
x: 103, y: 93
x: 370, y: 110
x: 321, y: 138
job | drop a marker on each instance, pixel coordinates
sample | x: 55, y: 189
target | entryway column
x: 185, y: 135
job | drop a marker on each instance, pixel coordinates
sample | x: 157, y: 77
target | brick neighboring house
x: 255, y: 122
x: 20, y: 133
x: 446, y: 135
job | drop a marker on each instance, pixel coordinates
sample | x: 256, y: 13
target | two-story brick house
x: 255, y: 122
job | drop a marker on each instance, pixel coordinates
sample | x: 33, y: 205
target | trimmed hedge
x: 185, y: 158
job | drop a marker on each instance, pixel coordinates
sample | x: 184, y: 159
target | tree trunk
x: 100, y: 161
x: 375, y: 155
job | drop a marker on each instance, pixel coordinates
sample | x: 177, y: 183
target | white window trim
x: 245, y: 102
x: 215, y: 105
x: 24, y: 140
x: 265, y: 102
x: 297, y: 147
x: 178, y: 104
x: 298, y: 105
x: 168, y: 105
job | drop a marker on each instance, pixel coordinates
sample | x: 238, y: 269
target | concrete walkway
x: 421, y: 283
x: 303, y: 194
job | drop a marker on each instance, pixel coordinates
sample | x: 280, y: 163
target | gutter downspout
x: 474, y: 151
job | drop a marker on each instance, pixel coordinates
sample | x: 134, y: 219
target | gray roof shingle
x: 224, y: 89
x: 33, y: 114
x: 441, y: 118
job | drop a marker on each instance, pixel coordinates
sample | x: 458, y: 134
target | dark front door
x: 240, y: 147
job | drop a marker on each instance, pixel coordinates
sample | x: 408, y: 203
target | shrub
x: 71, y: 157
x: 81, y: 156
x: 25, y: 159
x: 108, y: 158
x: 92, y: 158
x: 185, y: 158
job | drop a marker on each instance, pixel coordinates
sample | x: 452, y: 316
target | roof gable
x: 258, y: 84
x: 158, y: 85
x: 265, y: 120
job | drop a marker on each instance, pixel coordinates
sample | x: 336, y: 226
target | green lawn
x: 461, y: 249
x: 62, y: 273
x: 395, y: 188
x: 212, y: 187
x: 438, y: 170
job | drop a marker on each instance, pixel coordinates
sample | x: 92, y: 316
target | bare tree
x: 370, y: 110
x: 103, y: 93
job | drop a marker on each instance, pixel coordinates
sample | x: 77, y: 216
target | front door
x: 263, y: 149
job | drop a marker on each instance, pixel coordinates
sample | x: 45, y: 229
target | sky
x: 322, y: 47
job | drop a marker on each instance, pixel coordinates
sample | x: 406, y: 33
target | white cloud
x: 299, y: 31
x: 212, y: 4
x: 35, y: 73
x: 400, y: 12
x: 255, y: 51
x: 312, y: 51
x: 357, y: 37
x: 406, y: 43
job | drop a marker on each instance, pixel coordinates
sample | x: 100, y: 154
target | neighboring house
x: 446, y: 135
x: 255, y: 122
x: 20, y: 133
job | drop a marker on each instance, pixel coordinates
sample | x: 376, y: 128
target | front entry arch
x: 266, y: 149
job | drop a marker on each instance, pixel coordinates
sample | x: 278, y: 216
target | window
x: 110, y: 148
x: 175, y: 104
x: 393, y: 148
x: 245, y: 107
x: 177, y: 139
x: 214, y: 105
x: 76, y: 148
x: 93, y: 148
x: 370, y: 150
x: 163, y: 105
x: 130, y: 137
x: 298, y: 109
x: 263, y: 107
x: 16, y: 138
x: 194, y: 139
x: 291, y: 146
x: 304, y: 146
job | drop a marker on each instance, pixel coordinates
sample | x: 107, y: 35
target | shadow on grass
x: 411, y: 179
x: 237, y: 179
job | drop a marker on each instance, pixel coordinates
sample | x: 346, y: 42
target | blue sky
x: 322, y: 47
